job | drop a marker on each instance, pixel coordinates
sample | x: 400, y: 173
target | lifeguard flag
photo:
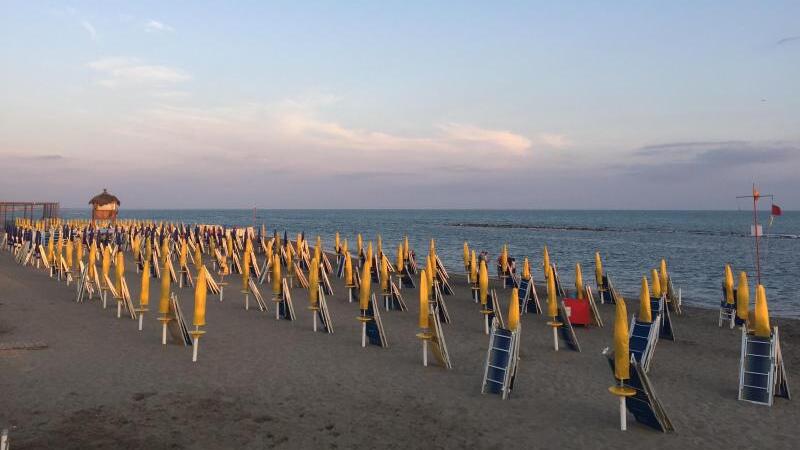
x: 776, y: 210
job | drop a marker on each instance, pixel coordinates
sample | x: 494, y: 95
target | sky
x: 340, y: 104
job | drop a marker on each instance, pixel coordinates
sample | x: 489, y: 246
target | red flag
x: 776, y: 210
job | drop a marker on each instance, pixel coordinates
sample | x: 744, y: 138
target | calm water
x: 696, y: 244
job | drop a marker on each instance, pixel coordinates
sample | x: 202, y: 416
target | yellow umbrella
x: 119, y: 272
x: 761, y: 320
x: 664, y: 276
x: 423, y: 301
x: 144, y: 295
x: 729, y: 284
x: 504, y: 259
x: 366, y: 282
x: 513, y: 311
x: 369, y: 252
x: 78, y: 251
x: 106, y: 263
x: 483, y: 283
x: 657, y: 292
x: 184, y: 254
x: 380, y: 246
x: 198, y: 256
x: 163, y: 302
x: 429, y: 268
x: 466, y: 254
x: 276, y: 275
x: 645, y: 314
x: 348, y: 270
x: 526, y: 269
x: 92, y: 260
x: 401, y: 264
x: 473, y: 268
x: 622, y: 356
x: 384, y: 276
x: 424, y: 321
x: 336, y: 244
x: 246, y: 273
x: 743, y: 298
x: 200, y: 293
x: 552, y: 299
x: 546, y: 262
x: 579, y: 281
x: 69, y: 255
x: 313, y: 283
x: 343, y: 249
x: 318, y: 249
x: 360, y: 243
x: 406, y: 248
x: 598, y: 268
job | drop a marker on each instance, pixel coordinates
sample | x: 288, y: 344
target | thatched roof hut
x: 104, y: 206
x: 104, y: 199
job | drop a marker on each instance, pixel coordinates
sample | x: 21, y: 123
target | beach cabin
x: 104, y: 207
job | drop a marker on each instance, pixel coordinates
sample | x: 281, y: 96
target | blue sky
x: 400, y: 104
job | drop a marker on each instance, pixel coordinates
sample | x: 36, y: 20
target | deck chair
x: 502, y: 359
x: 376, y: 335
x: 438, y: 344
x: 644, y: 405
x: 658, y: 307
x: 643, y: 339
x: 566, y: 331
x: 762, y: 372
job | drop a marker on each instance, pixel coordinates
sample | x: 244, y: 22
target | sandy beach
x: 259, y: 382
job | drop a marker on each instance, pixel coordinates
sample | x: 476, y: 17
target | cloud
x: 788, y: 40
x: 686, y: 160
x: 154, y: 26
x: 89, y: 29
x: 131, y: 71
x: 461, y: 133
x: 557, y: 141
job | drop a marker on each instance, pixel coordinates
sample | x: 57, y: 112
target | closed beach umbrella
x: 384, y: 275
x: 622, y: 357
x: 552, y: 300
x: 344, y: 247
x: 92, y: 260
x: 645, y: 314
x: 761, y: 327
x: 546, y: 262
x: 728, y: 284
x: 360, y: 244
x: 664, y: 276
x: 366, y: 282
x: 657, y: 292
x: 473, y: 267
x: 466, y: 254
x: 276, y: 275
x: 504, y: 259
x: 429, y: 269
x: 119, y: 272
x: 200, y: 292
x: 578, y: 281
x: 68, y: 256
x: 380, y: 246
x: 184, y: 254
x: 369, y: 253
x: 526, y: 269
x: 318, y: 249
x: 423, y: 301
x: 198, y: 256
x: 743, y: 298
x: 336, y: 244
x: 400, y: 261
x: 144, y: 295
x: 348, y: 270
x: 406, y: 247
x: 313, y: 283
x: 598, y: 268
x: 106, y: 262
x: 246, y: 271
x: 163, y: 301
x: 513, y: 311
x: 483, y: 282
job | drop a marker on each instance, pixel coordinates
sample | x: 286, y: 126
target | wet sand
x: 259, y: 382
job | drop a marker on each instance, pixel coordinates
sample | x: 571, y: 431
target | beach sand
x: 259, y: 382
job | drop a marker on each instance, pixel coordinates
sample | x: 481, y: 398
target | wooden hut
x: 104, y: 207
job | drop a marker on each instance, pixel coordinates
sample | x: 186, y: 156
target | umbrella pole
x: 141, y: 318
x: 363, y: 334
x: 425, y: 352
x: 555, y: 338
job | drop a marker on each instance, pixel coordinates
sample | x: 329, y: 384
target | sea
x: 695, y: 244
